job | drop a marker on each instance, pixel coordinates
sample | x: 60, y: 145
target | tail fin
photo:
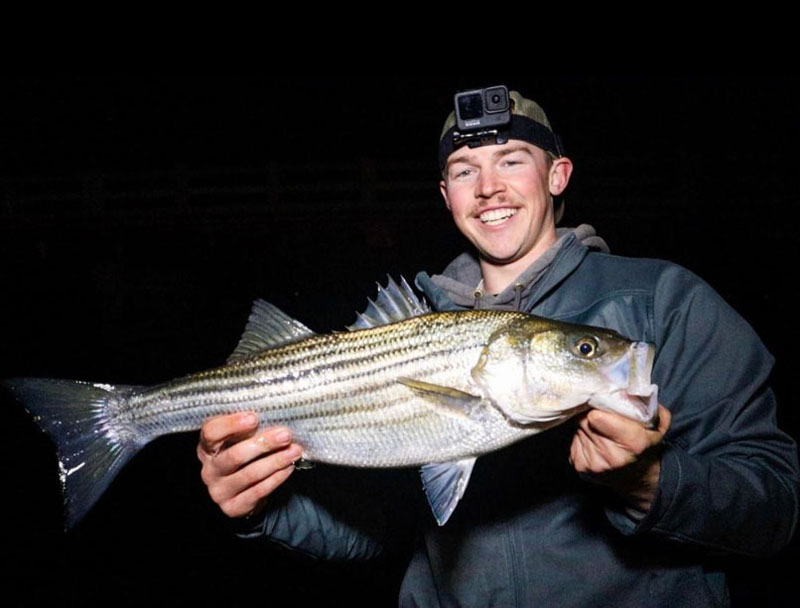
x: 91, y: 443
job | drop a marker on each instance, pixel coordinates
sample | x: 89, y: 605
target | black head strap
x: 521, y: 127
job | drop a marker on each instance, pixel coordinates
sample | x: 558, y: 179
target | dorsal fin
x: 394, y: 303
x: 268, y: 327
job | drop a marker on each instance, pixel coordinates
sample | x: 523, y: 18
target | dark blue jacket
x: 530, y: 532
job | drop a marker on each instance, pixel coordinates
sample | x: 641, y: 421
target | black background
x: 141, y: 214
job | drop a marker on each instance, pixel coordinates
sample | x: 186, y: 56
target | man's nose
x: 488, y: 184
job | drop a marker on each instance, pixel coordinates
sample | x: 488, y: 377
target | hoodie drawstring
x: 518, y: 295
x: 518, y: 288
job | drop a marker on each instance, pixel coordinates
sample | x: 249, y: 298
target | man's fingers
x: 247, y: 450
x: 627, y: 433
x: 248, y: 501
x: 241, y: 466
x: 605, y: 441
x: 216, y: 431
x: 616, y: 452
x: 578, y: 455
x: 259, y: 470
x: 231, y: 486
x: 595, y: 452
x: 623, y: 431
x: 664, y: 419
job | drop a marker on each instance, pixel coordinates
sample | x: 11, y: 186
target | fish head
x: 540, y: 371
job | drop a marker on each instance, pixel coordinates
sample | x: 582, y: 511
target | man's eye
x: 462, y: 173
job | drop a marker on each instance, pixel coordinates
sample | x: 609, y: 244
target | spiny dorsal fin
x: 394, y: 303
x: 268, y: 327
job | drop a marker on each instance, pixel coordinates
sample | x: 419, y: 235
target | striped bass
x: 404, y: 387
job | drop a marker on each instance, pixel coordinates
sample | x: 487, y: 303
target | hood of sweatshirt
x: 463, y: 282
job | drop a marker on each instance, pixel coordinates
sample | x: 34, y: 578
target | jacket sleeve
x: 729, y: 476
x: 326, y: 514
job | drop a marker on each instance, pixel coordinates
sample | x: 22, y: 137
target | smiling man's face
x: 501, y: 200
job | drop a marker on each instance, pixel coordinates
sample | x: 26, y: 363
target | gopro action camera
x: 482, y: 116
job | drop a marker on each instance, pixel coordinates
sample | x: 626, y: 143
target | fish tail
x: 92, y: 443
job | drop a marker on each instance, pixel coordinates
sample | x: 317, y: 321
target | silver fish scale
x: 340, y: 393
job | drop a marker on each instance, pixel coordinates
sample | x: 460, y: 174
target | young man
x: 649, y: 512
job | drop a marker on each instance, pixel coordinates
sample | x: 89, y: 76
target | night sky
x: 141, y: 214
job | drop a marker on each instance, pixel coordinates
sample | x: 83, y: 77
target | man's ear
x: 443, y: 190
x: 560, y: 172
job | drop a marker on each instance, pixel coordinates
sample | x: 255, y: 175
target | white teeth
x: 496, y: 216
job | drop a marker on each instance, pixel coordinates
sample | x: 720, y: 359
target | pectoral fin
x: 444, y: 485
x: 456, y: 401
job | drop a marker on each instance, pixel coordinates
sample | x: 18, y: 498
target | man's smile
x: 494, y: 217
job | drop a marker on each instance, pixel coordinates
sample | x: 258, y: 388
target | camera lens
x: 496, y: 99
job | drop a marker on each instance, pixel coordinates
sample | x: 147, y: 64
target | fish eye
x: 586, y: 347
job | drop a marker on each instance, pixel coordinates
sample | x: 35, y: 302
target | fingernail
x: 248, y: 420
x: 283, y: 436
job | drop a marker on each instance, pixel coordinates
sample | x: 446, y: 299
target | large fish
x: 405, y: 387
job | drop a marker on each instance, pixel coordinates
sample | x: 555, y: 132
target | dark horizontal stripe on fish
x: 210, y: 389
x: 281, y: 400
x: 284, y: 372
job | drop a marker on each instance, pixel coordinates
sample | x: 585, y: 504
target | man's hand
x: 242, y: 467
x: 620, y: 453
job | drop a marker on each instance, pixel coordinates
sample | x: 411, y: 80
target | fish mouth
x: 643, y: 408
x: 495, y: 217
x: 634, y: 394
